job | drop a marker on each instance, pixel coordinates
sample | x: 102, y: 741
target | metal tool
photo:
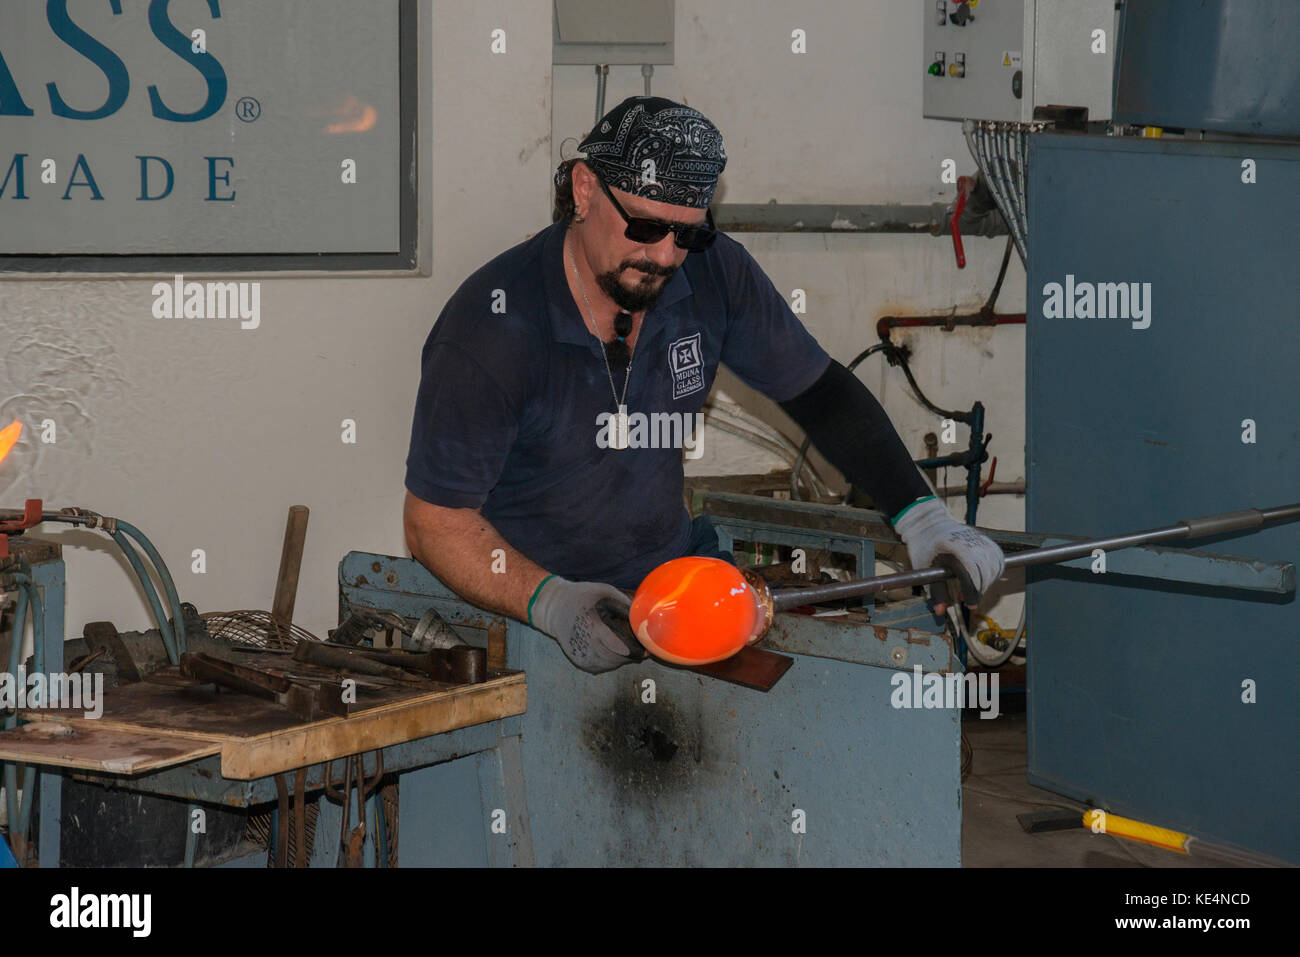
x: 462, y: 664
x: 309, y: 700
x: 767, y: 600
x: 352, y: 842
x: 756, y: 668
x: 783, y: 599
x: 370, y: 623
x: 430, y: 632
x: 103, y: 636
x: 291, y: 814
x: 348, y: 659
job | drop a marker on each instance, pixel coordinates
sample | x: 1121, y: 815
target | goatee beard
x: 633, y: 300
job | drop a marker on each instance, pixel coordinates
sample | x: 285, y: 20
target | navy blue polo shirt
x: 513, y: 382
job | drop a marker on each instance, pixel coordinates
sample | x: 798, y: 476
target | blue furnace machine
x: 1170, y: 703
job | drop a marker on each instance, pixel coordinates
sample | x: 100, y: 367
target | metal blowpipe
x: 793, y: 597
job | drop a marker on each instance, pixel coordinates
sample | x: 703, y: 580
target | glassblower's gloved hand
x: 589, y: 622
x: 933, y: 537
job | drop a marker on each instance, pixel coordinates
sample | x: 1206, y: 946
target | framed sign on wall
x: 217, y: 134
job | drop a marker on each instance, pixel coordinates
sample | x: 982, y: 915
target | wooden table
x: 167, y: 720
x: 171, y: 736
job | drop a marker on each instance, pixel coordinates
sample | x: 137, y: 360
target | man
x: 524, y: 496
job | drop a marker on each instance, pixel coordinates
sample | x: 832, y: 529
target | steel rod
x: 786, y: 598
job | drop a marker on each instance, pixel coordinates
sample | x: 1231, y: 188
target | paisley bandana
x: 652, y: 147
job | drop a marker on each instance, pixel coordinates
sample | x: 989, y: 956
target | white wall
x: 204, y: 436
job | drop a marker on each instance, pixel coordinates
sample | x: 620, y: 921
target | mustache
x: 650, y: 268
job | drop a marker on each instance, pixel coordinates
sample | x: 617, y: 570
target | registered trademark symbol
x: 248, y: 109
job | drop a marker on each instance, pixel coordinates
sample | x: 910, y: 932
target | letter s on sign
x: 207, y: 64
x: 119, y: 81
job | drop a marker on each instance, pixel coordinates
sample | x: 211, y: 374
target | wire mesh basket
x: 254, y: 628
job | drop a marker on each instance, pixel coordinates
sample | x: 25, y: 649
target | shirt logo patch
x: 687, y: 366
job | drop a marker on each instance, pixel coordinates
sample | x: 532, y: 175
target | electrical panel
x: 613, y: 31
x: 999, y: 59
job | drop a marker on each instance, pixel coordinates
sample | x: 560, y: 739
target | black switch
x: 962, y: 15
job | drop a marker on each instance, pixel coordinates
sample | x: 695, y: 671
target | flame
x: 9, y: 437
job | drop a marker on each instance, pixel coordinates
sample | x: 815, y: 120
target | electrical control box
x: 613, y: 31
x: 999, y: 59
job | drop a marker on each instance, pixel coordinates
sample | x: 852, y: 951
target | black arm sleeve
x: 848, y: 426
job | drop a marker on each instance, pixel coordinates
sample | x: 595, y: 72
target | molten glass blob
x: 693, y: 611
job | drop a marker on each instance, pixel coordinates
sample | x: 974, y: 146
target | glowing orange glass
x: 693, y: 611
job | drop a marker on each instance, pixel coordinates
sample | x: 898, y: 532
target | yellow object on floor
x: 1100, y: 822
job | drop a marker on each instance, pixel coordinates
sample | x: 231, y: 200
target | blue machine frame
x: 652, y: 765
x: 1138, y: 691
x: 44, y: 562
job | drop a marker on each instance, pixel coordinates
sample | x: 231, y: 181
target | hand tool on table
x: 309, y: 700
x: 463, y: 664
x: 360, y: 661
x: 103, y: 636
x: 346, y: 659
x: 702, y: 610
x: 431, y: 632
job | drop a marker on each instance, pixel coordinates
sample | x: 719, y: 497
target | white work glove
x: 588, y: 620
x: 935, y: 538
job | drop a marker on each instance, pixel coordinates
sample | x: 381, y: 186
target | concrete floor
x: 996, y: 791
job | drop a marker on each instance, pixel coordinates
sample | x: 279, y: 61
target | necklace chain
x: 618, y: 402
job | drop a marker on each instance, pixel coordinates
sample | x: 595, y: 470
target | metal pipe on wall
x: 826, y: 218
x: 602, y: 73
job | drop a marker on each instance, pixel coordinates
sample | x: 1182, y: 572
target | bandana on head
x: 652, y: 147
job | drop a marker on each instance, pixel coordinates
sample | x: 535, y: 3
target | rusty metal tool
x: 310, y: 701
x: 292, y: 813
x: 352, y: 842
x: 348, y: 659
x: 463, y: 664
x: 103, y: 636
x: 751, y: 667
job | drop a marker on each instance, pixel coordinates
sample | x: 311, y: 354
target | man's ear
x: 584, y: 183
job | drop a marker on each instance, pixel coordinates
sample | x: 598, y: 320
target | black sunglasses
x: 649, y: 231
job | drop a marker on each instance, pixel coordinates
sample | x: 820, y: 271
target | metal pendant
x: 618, y: 431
